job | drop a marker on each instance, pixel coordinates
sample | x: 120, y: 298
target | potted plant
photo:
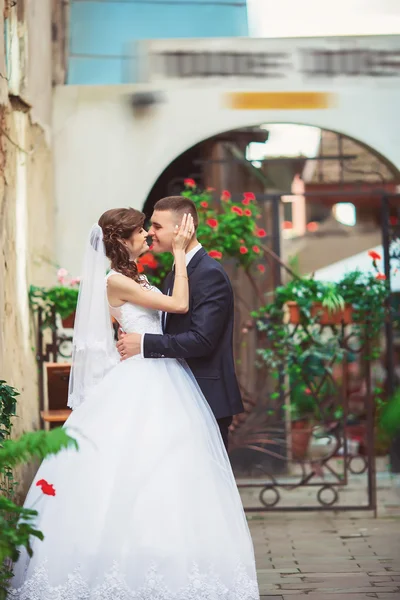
x: 301, y: 355
x: 316, y: 299
x: 299, y: 359
x: 302, y: 406
x: 358, y: 298
x: 61, y: 299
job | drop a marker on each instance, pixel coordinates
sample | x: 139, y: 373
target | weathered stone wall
x: 26, y: 200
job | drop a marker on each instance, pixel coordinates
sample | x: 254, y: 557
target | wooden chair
x: 57, y: 375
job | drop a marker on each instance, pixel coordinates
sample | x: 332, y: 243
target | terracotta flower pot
x: 69, y: 322
x: 301, y: 437
x: 359, y: 434
x: 325, y: 317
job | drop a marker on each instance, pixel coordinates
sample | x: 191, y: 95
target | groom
x: 204, y: 335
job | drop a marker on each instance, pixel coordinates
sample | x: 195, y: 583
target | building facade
x: 27, y: 233
x: 111, y: 150
x: 103, y: 34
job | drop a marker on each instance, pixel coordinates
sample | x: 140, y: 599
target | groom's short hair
x: 179, y: 205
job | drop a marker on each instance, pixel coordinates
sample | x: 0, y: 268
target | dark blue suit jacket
x: 204, y: 336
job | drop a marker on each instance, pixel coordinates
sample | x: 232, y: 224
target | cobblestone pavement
x: 320, y: 556
x: 330, y: 555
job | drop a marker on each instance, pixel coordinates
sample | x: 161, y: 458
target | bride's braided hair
x: 118, y: 224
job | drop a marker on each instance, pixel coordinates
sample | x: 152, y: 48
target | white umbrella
x: 361, y: 262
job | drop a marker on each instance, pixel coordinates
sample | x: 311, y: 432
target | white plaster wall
x: 106, y: 157
x: 26, y: 195
x: 21, y: 121
x: 39, y: 67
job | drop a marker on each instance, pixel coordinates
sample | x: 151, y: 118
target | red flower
x: 153, y: 263
x: 243, y: 250
x: 204, y: 204
x: 261, y: 233
x: 212, y: 223
x: 381, y: 277
x: 374, y: 255
x: 210, y: 189
x: 308, y: 391
x: 215, y: 254
x: 287, y: 225
x: 47, y: 488
x: 261, y: 268
x: 256, y: 249
x: 147, y: 260
x: 393, y: 220
x: 237, y: 210
x: 190, y: 183
x: 225, y: 196
x: 140, y: 267
x: 248, y: 196
x: 247, y: 212
x: 246, y: 201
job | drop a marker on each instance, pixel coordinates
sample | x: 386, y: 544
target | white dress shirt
x: 189, y: 256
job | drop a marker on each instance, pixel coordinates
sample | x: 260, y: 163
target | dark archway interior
x: 195, y: 163
x: 170, y: 182
x: 346, y: 165
x: 345, y: 175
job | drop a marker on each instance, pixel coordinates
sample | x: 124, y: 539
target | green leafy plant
x: 227, y: 229
x: 17, y: 524
x: 307, y: 292
x: 332, y: 300
x: 301, y: 363
x: 61, y: 299
x: 8, y: 406
x: 366, y: 293
x: 306, y: 353
x: 389, y: 416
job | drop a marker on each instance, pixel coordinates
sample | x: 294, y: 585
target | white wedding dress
x: 148, y: 508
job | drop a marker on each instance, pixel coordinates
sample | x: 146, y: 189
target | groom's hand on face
x: 129, y: 344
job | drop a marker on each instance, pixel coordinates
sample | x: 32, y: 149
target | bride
x: 148, y: 508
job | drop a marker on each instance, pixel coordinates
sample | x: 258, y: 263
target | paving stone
x: 335, y: 596
x: 328, y: 556
x: 329, y: 568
